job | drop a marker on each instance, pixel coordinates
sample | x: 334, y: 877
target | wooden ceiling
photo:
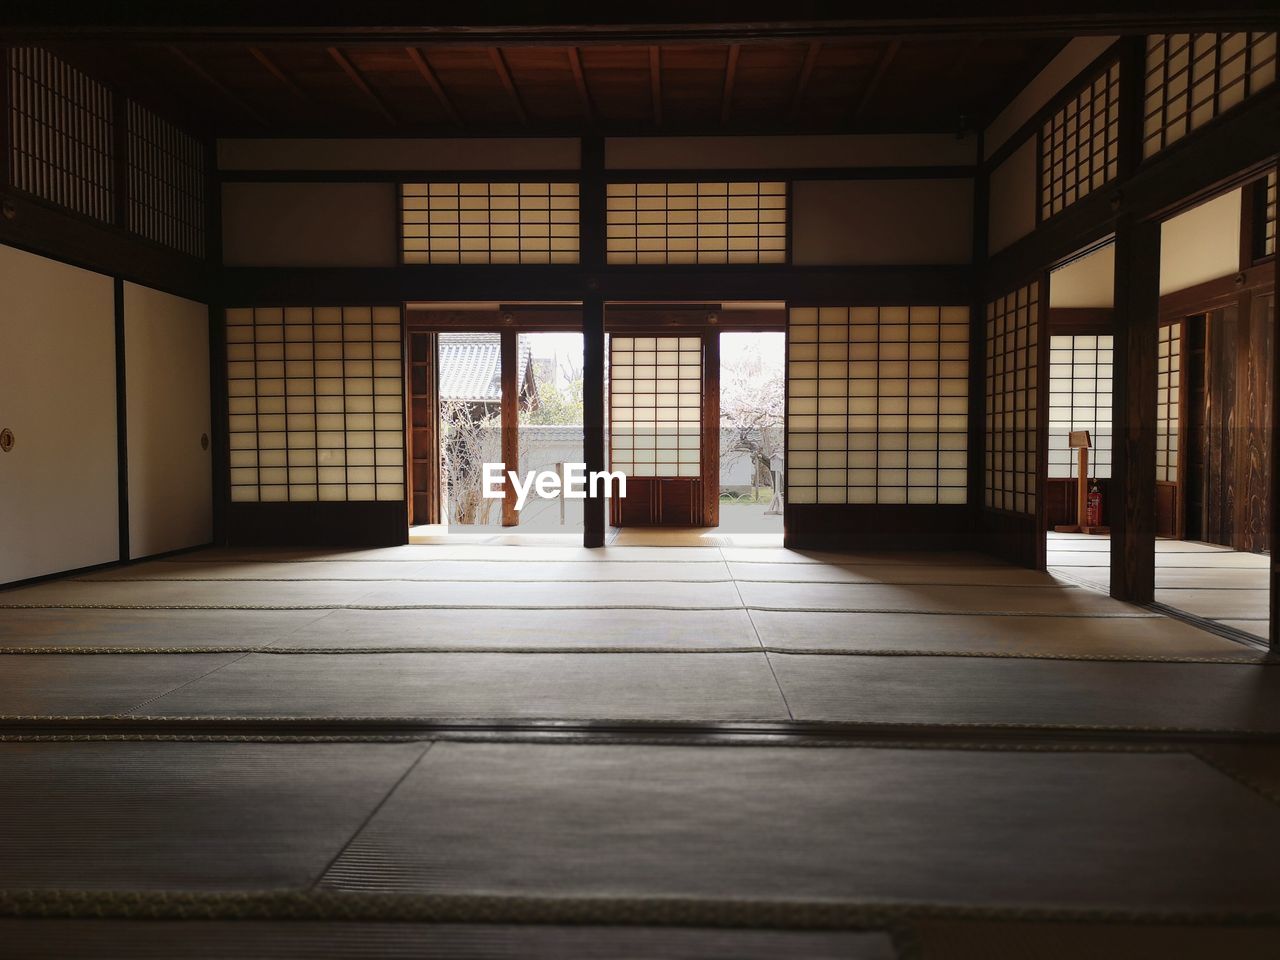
x: 909, y: 83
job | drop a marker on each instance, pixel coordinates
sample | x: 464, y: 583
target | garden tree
x: 751, y: 407
x: 470, y: 438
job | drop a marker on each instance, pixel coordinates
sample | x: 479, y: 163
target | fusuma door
x: 656, y: 432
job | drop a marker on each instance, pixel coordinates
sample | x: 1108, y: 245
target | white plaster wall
x: 1087, y: 282
x: 1011, y: 200
x: 515, y: 153
x: 166, y: 342
x: 310, y: 224
x: 58, y: 486
x: 877, y: 222
x: 1201, y: 244
x: 848, y: 150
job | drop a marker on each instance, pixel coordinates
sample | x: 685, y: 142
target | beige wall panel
x: 1012, y: 199
x: 309, y: 224
x: 1087, y: 282
x: 1201, y: 244
x: 1074, y: 57
x: 58, y: 485
x: 741, y: 153
x: 882, y: 221
x: 166, y: 366
x: 446, y: 154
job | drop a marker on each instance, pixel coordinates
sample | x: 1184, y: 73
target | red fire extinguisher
x: 1093, y: 509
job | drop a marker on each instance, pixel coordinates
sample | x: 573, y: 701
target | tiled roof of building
x: 471, y: 367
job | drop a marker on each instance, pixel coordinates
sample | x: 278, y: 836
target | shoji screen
x: 60, y: 133
x: 1079, y: 145
x: 877, y: 404
x: 655, y: 406
x: 1269, y: 218
x: 696, y: 222
x: 490, y: 222
x: 1168, y: 401
x: 1193, y: 77
x: 1080, y: 371
x: 316, y: 404
x: 166, y: 183
x: 1012, y: 388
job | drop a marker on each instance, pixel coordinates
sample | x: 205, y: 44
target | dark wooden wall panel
x: 816, y: 526
x: 372, y: 523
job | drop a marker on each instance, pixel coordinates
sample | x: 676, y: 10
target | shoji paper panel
x: 1193, y: 77
x: 696, y: 222
x: 655, y: 406
x: 60, y: 140
x: 1079, y: 145
x: 1269, y: 223
x: 58, y: 485
x: 1080, y: 372
x: 1168, y: 401
x: 490, y: 222
x: 315, y: 403
x: 166, y: 183
x: 877, y: 404
x: 1012, y: 388
x: 166, y: 341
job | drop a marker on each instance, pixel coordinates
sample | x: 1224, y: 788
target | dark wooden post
x: 593, y: 414
x: 1133, y: 471
x: 1273, y: 507
x: 711, y: 428
x: 591, y: 205
x: 510, y: 356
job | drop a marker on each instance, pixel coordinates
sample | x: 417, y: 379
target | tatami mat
x: 1050, y: 693
x: 194, y: 940
x: 149, y: 628
x: 1061, y: 830
x: 462, y: 629
x: 926, y: 598
x: 182, y: 816
x: 712, y: 686
x: 96, y: 685
x: 995, y: 635
x: 1012, y: 940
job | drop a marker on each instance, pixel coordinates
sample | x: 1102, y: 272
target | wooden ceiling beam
x: 274, y: 69
x: 806, y: 71
x: 353, y: 74
x: 655, y: 83
x: 226, y: 92
x: 730, y: 76
x: 580, y: 81
x: 429, y: 75
x: 504, y: 74
x: 873, y: 84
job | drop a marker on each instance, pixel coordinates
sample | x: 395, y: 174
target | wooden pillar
x: 711, y: 428
x: 1273, y: 506
x: 510, y: 355
x: 1133, y: 471
x: 593, y: 415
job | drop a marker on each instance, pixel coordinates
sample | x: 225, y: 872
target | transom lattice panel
x: 1269, y: 218
x: 1168, y: 401
x: 655, y: 406
x: 60, y: 139
x: 696, y: 222
x: 877, y: 404
x: 315, y: 403
x: 490, y: 222
x: 1080, y: 382
x: 1012, y: 425
x: 1193, y: 77
x: 1079, y: 145
x: 166, y: 183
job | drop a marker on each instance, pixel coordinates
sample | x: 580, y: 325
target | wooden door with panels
x: 659, y: 428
